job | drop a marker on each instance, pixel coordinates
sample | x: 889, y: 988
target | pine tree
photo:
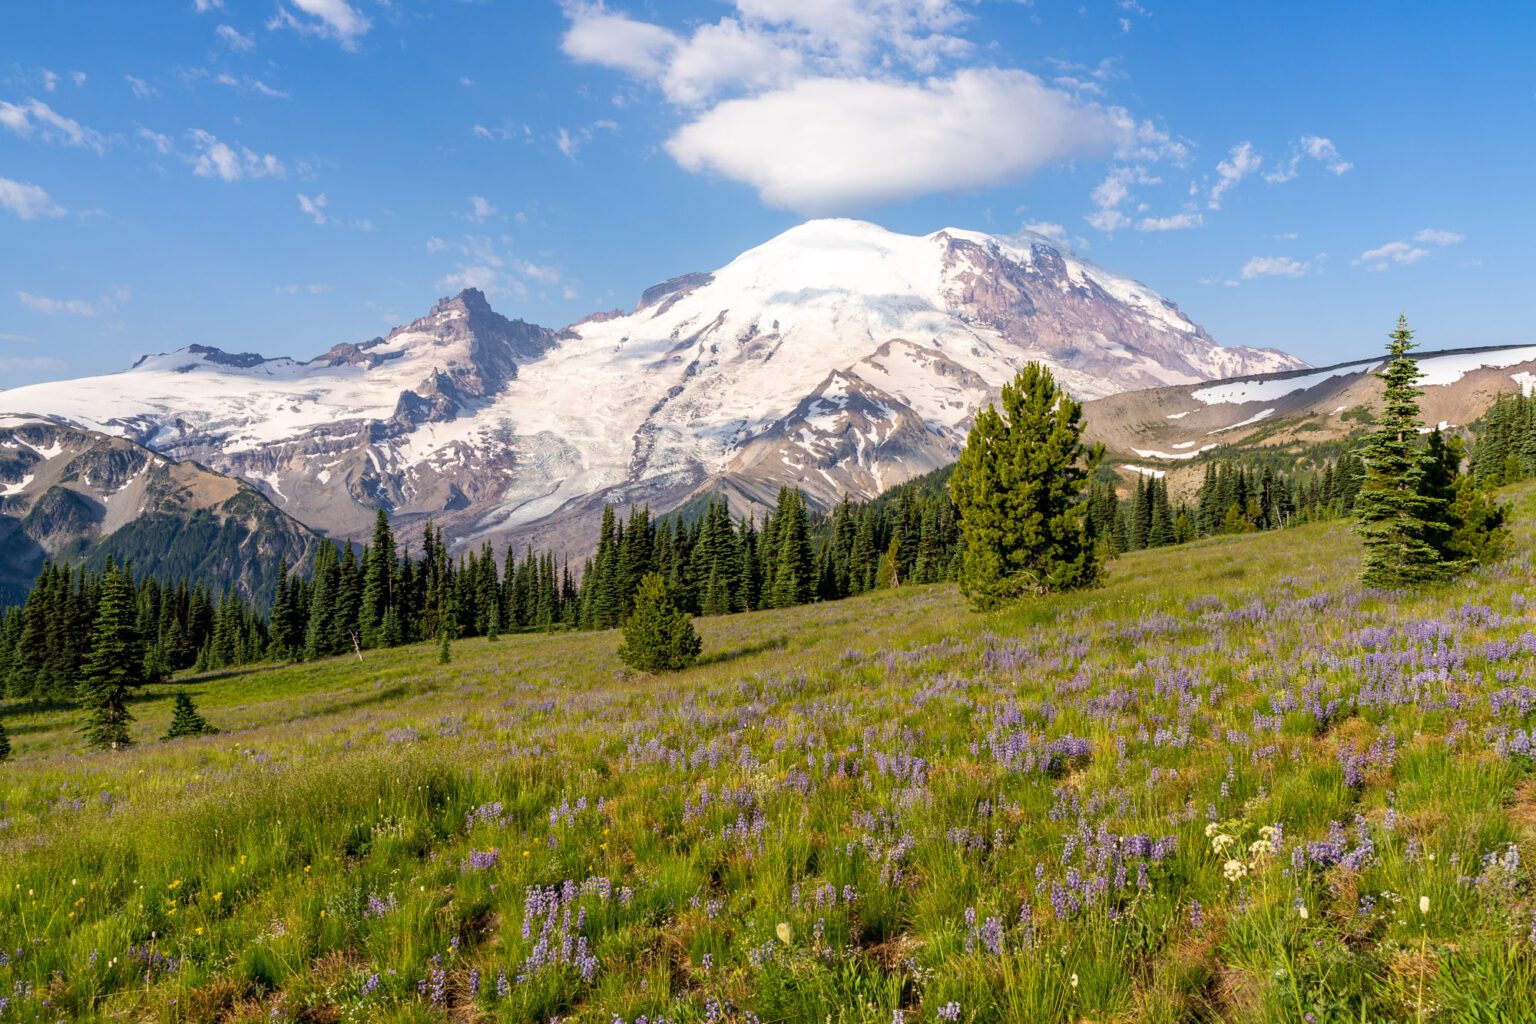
x: 1018, y: 488
x: 1398, y: 521
x: 115, y: 665
x: 186, y: 721
x: 444, y: 652
x: 658, y: 637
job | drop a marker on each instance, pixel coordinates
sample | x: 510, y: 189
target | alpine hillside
x: 1296, y: 415
x: 79, y: 496
x: 838, y: 357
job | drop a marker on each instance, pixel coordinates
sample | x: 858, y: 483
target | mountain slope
x: 79, y: 496
x: 1167, y: 431
x: 838, y: 357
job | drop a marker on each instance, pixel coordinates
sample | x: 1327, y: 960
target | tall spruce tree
x: 1018, y: 488
x: 378, y: 592
x: 115, y: 664
x: 1399, y: 521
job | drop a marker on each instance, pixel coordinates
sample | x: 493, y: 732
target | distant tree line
x: 380, y: 596
x: 1505, y: 451
x: 1232, y: 498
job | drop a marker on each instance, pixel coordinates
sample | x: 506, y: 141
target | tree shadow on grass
x: 775, y: 643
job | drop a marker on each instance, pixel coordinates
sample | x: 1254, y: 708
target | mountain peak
x: 468, y: 300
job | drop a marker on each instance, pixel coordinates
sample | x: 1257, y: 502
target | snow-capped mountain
x: 839, y: 357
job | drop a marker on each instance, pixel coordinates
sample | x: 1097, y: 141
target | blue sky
x: 283, y: 175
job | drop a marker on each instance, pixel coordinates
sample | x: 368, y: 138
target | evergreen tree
x: 658, y: 637
x: 5, y: 744
x: 378, y: 589
x: 1398, y: 521
x: 186, y: 721
x: 444, y: 652
x: 1018, y: 488
x: 115, y: 665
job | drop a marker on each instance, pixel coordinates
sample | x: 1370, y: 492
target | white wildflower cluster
x: 1238, y: 860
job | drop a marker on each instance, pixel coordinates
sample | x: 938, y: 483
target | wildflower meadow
x: 1228, y: 784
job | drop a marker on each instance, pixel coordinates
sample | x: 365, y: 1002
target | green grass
x: 909, y: 789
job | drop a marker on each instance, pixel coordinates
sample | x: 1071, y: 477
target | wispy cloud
x: 1403, y: 253
x: 1242, y: 161
x: 74, y: 307
x: 1275, y: 266
x: 235, y: 39
x: 314, y: 207
x: 212, y: 158
x: 34, y: 118
x: 1309, y: 146
x: 331, y: 19
x: 28, y: 201
x: 247, y: 84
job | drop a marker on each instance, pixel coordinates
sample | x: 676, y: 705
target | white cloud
x: 161, y: 143
x: 234, y: 39
x: 1275, y: 266
x: 435, y: 244
x: 1401, y: 254
x: 28, y: 201
x: 569, y: 141
x: 296, y: 289
x: 141, y: 89
x: 78, y: 77
x: 247, y: 84
x: 1383, y: 256
x: 1108, y: 220
x: 482, y: 209
x: 332, y: 19
x: 1319, y: 148
x: 314, y: 207
x: 1314, y: 146
x: 34, y: 117
x: 537, y: 272
x: 204, y: 6
x: 70, y: 307
x: 727, y: 54
x: 825, y: 103
x: 617, y: 41
x: 1241, y: 162
x: 1434, y: 236
x: 826, y: 143
x: 50, y: 80
x: 1176, y: 222
x: 1055, y: 232
x: 486, y: 279
x: 215, y: 159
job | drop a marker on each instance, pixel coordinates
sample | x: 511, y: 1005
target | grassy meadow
x: 1228, y: 785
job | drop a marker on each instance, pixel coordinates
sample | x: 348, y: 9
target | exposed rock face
x: 79, y: 496
x: 838, y: 357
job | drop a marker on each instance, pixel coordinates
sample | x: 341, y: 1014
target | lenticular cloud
x: 827, y: 143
